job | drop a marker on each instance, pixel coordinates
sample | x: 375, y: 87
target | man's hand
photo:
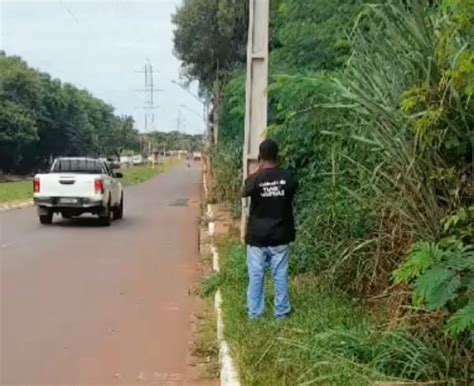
x: 254, y: 166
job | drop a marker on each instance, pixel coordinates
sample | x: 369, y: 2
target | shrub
x: 442, y: 274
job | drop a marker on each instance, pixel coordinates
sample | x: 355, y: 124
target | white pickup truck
x: 75, y: 186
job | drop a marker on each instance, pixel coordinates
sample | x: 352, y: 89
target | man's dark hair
x: 268, y: 150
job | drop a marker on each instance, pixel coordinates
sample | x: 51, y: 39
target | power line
x: 69, y: 11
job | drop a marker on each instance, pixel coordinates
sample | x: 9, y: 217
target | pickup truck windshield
x: 85, y: 166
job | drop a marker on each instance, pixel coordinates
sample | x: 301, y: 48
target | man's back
x: 271, y: 220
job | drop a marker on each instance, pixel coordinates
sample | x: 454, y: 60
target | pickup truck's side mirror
x: 118, y: 175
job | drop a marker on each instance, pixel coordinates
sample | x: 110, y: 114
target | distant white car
x: 75, y: 186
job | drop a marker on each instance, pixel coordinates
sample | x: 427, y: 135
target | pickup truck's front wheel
x: 46, y: 219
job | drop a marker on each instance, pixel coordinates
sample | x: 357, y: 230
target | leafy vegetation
x: 41, y: 118
x: 227, y: 157
x: 329, y: 340
x: 382, y: 147
x: 173, y: 140
x: 442, y: 274
x: 372, y: 105
x: 210, y: 39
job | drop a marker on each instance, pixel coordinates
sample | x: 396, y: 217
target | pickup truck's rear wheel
x: 118, y: 210
x: 106, y: 217
x: 46, y: 219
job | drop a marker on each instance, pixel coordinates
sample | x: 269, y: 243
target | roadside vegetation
x: 330, y: 339
x: 11, y: 192
x: 16, y: 191
x: 205, y: 350
x: 42, y: 118
x: 372, y: 104
x: 138, y: 174
x: 173, y: 140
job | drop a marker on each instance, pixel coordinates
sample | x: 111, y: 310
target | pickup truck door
x: 108, y: 184
x: 116, y: 191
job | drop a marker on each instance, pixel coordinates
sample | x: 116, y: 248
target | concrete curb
x: 16, y: 205
x: 228, y: 373
x: 204, y: 182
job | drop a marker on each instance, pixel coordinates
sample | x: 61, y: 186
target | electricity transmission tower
x: 149, y: 90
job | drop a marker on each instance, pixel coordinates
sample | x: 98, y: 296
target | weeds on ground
x: 139, y: 174
x: 16, y: 191
x: 329, y: 339
x: 205, y: 349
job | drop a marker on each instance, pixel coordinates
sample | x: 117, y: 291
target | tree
x: 174, y: 140
x: 17, y: 130
x: 42, y: 118
x: 122, y: 136
x: 312, y: 35
x: 210, y: 39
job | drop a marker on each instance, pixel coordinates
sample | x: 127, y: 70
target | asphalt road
x: 88, y: 305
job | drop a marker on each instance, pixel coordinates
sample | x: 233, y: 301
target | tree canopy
x: 41, y: 117
x: 174, y: 140
x: 210, y: 38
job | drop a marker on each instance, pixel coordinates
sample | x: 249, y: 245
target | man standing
x: 270, y: 230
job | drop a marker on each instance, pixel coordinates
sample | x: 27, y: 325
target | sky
x: 101, y: 46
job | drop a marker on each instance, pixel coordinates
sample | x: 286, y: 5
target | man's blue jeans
x: 257, y: 260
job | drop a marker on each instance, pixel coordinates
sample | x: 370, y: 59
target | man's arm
x: 249, y: 186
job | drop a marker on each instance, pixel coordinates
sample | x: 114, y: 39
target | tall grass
x: 329, y: 340
x: 412, y: 152
x: 227, y: 155
x: 382, y: 148
x: 417, y: 113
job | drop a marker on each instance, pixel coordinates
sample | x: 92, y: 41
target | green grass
x: 11, y: 192
x: 205, y: 349
x: 15, y: 191
x: 329, y: 339
x: 138, y: 174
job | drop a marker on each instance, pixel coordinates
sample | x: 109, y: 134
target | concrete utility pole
x: 256, y: 103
